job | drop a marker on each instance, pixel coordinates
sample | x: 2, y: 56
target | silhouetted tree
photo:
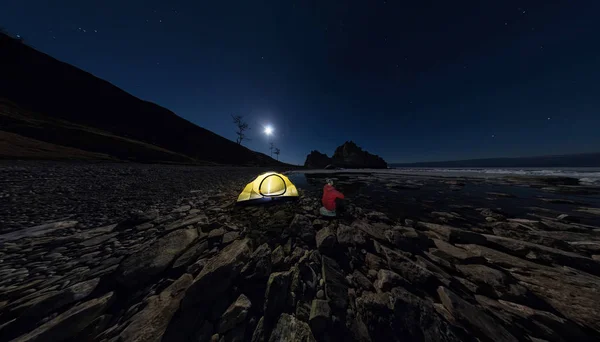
x: 277, y: 152
x: 242, y: 126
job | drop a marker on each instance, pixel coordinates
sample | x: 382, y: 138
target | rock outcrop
x: 317, y: 160
x: 349, y: 155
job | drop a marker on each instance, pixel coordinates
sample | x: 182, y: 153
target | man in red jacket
x: 331, y: 199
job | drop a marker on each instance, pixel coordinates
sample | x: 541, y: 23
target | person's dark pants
x: 340, y: 206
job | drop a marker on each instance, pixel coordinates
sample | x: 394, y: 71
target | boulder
x: 407, y: 239
x: 375, y: 231
x: 349, y: 236
x: 320, y: 314
x: 235, y: 314
x: 211, y: 283
x: 543, y: 254
x: 69, y: 323
x: 453, y: 254
x: 325, y: 239
x: 259, y: 266
x: 277, y: 257
x: 192, y: 219
x: 542, y: 324
x: 39, y: 307
x: 399, y: 315
x: 150, y: 323
x: 451, y: 234
x: 478, y: 322
x: 387, y: 279
x: 317, y: 160
x: 191, y: 254
x: 143, y: 265
x: 259, y: 332
x: 230, y: 236
x: 336, y: 285
x: 301, y: 227
x: 290, y: 329
x: 362, y: 280
x: 276, y: 295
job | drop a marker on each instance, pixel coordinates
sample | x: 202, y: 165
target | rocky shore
x: 412, y: 259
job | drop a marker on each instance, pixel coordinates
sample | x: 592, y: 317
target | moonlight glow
x: 268, y: 130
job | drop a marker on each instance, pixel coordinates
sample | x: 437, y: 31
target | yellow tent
x: 269, y: 185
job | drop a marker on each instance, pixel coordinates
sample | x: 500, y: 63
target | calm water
x: 390, y: 195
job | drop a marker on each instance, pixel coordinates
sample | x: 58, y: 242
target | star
x: 548, y: 118
x: 493, y: 135
x: 160, y: 21
x: 95, y: 31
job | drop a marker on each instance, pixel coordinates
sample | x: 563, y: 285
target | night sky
x: 408, y: 80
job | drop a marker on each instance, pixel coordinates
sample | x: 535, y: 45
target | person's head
x: 329, y: 181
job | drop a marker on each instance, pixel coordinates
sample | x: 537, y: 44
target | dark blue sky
x: 408, y: 80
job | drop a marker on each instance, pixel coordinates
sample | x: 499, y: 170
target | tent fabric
x: 268, y: 185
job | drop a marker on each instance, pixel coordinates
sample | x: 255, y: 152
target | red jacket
x: 329, y: 196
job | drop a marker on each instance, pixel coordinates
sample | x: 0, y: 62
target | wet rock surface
x: 421, y: 266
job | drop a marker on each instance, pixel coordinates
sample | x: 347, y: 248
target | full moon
x: 268, y: 130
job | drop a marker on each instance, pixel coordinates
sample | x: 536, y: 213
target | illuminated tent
x: 268, y: 186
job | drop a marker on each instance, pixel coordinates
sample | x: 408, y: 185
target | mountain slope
x: 569, y: 160
x: 38, y: 83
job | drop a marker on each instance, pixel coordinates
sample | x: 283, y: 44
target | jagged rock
x: 221, y: 269
x: 150, y: 323
x: 290, y: 329
x: 349, y: 236
x: 276, y: 294
x: 196, y: 267
x: 486, y: 212
x: 43, y: 305
x: 234, y: 335
x: 302, y: 311
x: 490, y: 281
x: 216, y: 234
x: 259, y: 332
x: 191, y: 254
x: 451, y: 234
x: 98, y: 239
x: 539, y: 323
x: 37, y: 231
x: 150, y: 261
x: 202, y: 219
x: 362, y: 280
x: 407, y: 239
x: 277, y: 257
x: 374, y: 262
x: 401, y: 316
x: 453, y: 254
x: 483, y: 325
x: 317, y: 160
x: 302, y: 228
x: 70, y: 322
x: 325, y: 238
x: 235, y: 314
x: 336, y: 286
x: 320, y: 314
x: 259, y: 266
x: 544, y: 254
x: 567, y: 218
x: 376, y: 231
x: 349, y: 155
x: 387, y: 279
x: 230, y: 236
